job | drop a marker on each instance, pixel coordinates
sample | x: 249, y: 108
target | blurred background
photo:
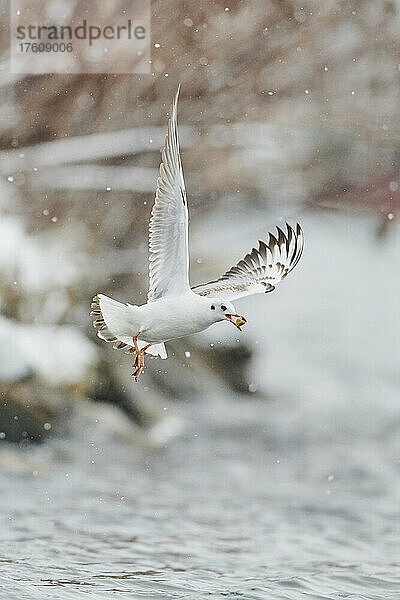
x: 256, y: 465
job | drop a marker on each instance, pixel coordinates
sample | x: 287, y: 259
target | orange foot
x: 138, y: 363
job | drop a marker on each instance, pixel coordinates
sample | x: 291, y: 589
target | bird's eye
x: 223, y: 307
x: 212, y: 307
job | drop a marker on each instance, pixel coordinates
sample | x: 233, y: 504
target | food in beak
x: 237, y: 320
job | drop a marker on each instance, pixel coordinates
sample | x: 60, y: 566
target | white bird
x: 173, y: 308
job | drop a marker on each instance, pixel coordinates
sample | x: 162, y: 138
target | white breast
x: 172, y: 318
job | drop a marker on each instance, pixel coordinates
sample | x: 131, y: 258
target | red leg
x: 135, y: 337
x: 137, y: 352
x: 140, y: 366
x: 139, y: 362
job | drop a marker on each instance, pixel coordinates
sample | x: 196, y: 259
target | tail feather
x: 114, y: 322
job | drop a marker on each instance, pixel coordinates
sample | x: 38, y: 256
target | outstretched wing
x: 168, y: 231
x: 261, y: 269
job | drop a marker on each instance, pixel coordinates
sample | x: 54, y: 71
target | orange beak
x: 237, y: 320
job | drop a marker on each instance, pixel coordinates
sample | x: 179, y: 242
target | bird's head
x: 222, y: 310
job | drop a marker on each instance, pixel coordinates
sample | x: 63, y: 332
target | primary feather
x: 261, y: 269
x: 168, y: 230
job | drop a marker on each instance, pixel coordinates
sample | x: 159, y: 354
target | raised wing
x: 261, y: 269
x: 168, y: 231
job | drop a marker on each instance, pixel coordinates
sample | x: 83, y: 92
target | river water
x: 291, y: 492
x: 231, y: 509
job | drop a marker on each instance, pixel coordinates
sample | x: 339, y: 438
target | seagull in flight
x: 174, y: 309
